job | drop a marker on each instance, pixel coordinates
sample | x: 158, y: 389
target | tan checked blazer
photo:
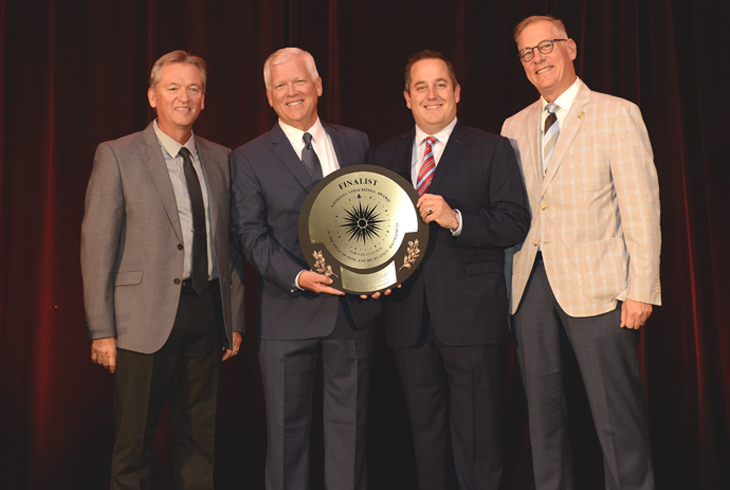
x: 595, y: 214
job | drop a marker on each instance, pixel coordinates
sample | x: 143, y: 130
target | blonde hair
x: 178, y: 56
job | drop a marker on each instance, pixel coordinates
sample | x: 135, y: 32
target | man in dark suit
x: 302, y: 319
x: 448, y: 321
x: 162, y: 297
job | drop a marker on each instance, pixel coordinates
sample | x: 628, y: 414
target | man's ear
x: 572, y: 49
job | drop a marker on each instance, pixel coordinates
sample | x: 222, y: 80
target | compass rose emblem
x: 362, y: 223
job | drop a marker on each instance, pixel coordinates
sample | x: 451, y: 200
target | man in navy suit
x: 302, y: 319
x: 448, y: 322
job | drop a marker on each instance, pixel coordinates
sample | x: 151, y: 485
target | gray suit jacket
x: 131, y: 242
x: 269, y: 185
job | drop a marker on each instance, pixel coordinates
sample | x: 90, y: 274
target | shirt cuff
x: 457, y: 231
x: 296, y: 287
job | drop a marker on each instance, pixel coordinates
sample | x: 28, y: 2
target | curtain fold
x: 75, y: 74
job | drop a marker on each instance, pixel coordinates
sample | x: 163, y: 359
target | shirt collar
x: 442, y: 136
x: 295, y: 135
x: 171, y: 146
x: 565, y: 100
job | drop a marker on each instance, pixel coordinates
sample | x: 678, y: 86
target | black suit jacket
x: 269, y: 184
x: 461, y: 279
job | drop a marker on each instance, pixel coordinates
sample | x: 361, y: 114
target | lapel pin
x: 581, y: 115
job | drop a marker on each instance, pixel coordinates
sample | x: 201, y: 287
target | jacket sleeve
x: 637, y: 192
x: 101, y: 231
x: 506, y: 221
x: 251, y: 233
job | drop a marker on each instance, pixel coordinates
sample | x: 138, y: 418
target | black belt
x: 187, y: 286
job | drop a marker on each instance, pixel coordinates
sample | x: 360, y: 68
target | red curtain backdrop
x: 74, y: 74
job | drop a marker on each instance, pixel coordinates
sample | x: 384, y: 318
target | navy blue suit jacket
x: 269, y: 184
x: 461, y: 279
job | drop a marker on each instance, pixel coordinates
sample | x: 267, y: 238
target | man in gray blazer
x: 162, y: 286
x: 301, y: 319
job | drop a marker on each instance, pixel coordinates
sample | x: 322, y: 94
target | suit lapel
x: 404, y: 156
x: 338, y: 142
x: 568, y: 132
x: 151, y: 154
x: 284, y: 150
x: 457, y: 141
x: 532, y: 158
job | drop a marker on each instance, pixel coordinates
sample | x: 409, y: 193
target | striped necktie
x: 425, y: 175
x: 552, y: 131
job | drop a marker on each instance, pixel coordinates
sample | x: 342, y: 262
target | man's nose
x: 538, y: 56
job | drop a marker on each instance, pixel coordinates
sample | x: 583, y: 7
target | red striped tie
x: 425, y: 175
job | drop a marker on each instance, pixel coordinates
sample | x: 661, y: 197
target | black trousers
x: 453, y: 394
x: 187, y: 371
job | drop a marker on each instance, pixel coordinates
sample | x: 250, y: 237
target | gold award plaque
x: 360, y: 227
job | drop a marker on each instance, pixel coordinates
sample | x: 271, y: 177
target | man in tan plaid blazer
x: 588, y: 271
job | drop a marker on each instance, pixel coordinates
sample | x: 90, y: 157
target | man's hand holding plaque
x: 317, y: 283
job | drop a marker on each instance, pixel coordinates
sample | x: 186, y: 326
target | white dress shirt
x: 419, y: 148
x: 174, y: 162
x: 321, y: 143
x: 564, y: 101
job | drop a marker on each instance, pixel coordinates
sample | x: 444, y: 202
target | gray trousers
x: 288, y: 368
x: 609, y: 365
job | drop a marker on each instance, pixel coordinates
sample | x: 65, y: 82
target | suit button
x: 543, y: 207
x: 179, y: 246
x: 176, y: 281
x: 535, y: 243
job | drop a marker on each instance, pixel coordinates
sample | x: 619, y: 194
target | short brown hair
x: 178, y: 56
x: 428, y: 54
x: 537, y: 18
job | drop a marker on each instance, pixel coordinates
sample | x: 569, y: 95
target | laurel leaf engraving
x: 320, y: 265
x: 413, y: 252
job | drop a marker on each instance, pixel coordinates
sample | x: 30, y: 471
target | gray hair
x: 287, y: 54
x: 537, y: 18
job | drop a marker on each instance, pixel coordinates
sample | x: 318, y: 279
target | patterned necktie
x: 425, y: 175
x: 199, y: 273
x: 310, y: 160
x: 552, y: 131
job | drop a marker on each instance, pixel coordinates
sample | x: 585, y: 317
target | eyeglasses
x: 545, y: 47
